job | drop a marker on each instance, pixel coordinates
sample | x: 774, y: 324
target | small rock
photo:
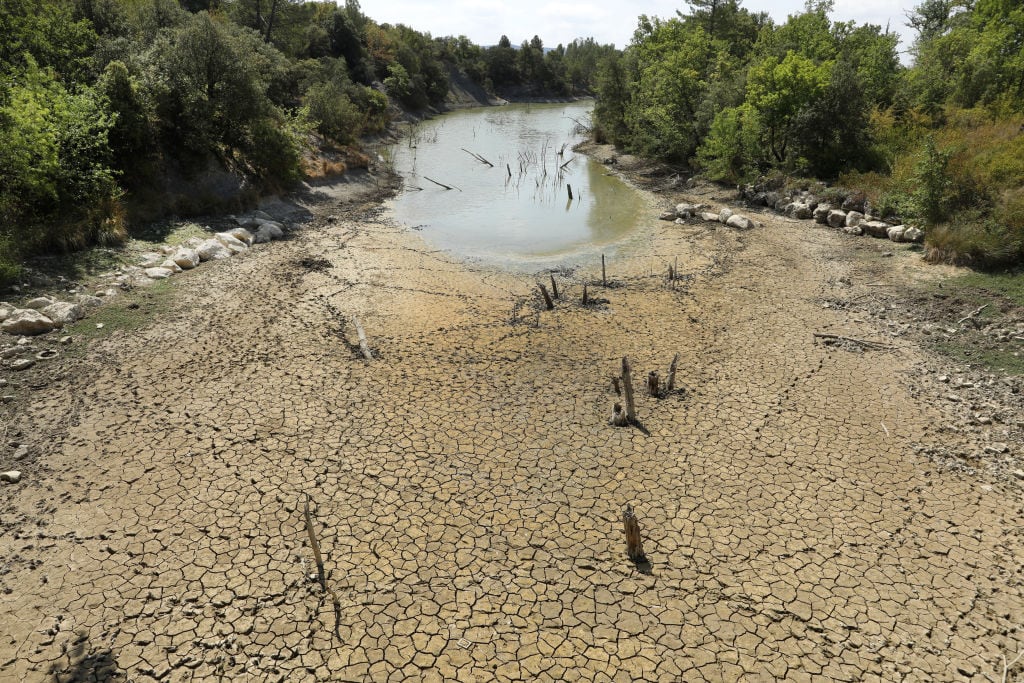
x: 878, y: 229
x: 170, y: 265
x: 39, y: 303
x: 836, y: 219
x: 668, y: 216
x: 158, y: 273
x: 21, y: 452
x: 87, y: 301
x: 268, y: 231
x: 854, y: 218
x: 151, y: 259
x: 724, y: 215
x: 11, y: 477
x: 9, y: 398
x: 242, y: 235
x: 1019, y: 474
x: 22, y: 364
x: 856, y: 230
x: 10, y: 352
x: 66, y: 340
x: 895, y: 233
x: 739, y: 222
x: 708, y: 216
x: 5, y: 310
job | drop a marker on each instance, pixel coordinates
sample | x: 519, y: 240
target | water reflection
x: 512, y: 168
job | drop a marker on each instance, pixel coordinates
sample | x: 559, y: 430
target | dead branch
x: 477, y: 157
x: 973, y: 314
x: 314, y: 545
x: 447, y: 187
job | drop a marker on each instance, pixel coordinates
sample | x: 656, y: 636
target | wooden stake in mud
x: 547, y: 297
x: 617, y: 386
x: 634, y: 546
x: 627, y: 385
x: 554, y: 287
x: 363, y: 345
x: 569, y: 188
x: 509, y: 170
x: 314, y: 545
x: 604, y: 279
x: 653, y: 384
x: 670, y: 383
x: 585, y: 299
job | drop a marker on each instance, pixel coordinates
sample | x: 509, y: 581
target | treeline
x: 729, y: 92
x: 103, y: 101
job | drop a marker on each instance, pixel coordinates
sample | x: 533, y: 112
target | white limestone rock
x: 25, y: 321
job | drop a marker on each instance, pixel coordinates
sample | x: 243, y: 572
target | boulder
x: 5, y: 310
x: 708, y: 216
x: 821, y: 213
x: 170, y: 265
x: 250, y: 222
x: 724, y: 215
x: 151, y: 260
x: 242, y: 235
x: 692, y: 209
x: 86, y: 301
x: 854, y: 218
x: 739, y: 222
x: 798, y: 210
x: 186, y: 258
x: 267, y: 232
x: 158, y: 273
x: 913, y: 235
x: 772, y: 198
x: 39, y: 303
x: 212, y: 250
x: 22, y: 364
x: 836, y: 218
x: 262, y: 215
x: 853, y: 230
x: 26, y: 321
x: 782, y: 203
x: 855, y: 202
x: 11, y: 477
x: 63, y: 313
x: 875, y: 228
x: 895, y: 233
x: 236, y: 245
x: 668, y: 216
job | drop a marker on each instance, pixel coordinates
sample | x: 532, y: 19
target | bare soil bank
x: 809, y: 510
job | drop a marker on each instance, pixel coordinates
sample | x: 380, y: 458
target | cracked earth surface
x: 467, y: 488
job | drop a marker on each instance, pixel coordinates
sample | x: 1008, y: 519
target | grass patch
x: 1003, y: 296
x: 130, y: 311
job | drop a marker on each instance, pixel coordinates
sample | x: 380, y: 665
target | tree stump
x: 547, y: 297
x: 634, y: 546
x: 619, y: 416
x: 653, y: 384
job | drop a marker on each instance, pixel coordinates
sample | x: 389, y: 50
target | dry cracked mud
x: 467, y: 489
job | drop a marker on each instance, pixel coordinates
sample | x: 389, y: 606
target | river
x: 511, y: 169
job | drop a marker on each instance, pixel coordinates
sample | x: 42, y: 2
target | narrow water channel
x: 511, y: 169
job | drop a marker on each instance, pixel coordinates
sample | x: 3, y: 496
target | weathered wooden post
x: 653, y: 384
x: 585, y: 299
x: 670, y: 383
x: 547, y: 297
x: 627, y: 384
x: 616, y: 386
x: 554, y: 287
x: 569, y: 188
x: 604, y: 278
x: 634, y: 545
x: 364, y: 347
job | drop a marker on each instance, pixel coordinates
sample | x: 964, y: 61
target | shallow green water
x: 517, y: 212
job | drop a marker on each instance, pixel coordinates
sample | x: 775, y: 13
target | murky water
x: 515, y: 210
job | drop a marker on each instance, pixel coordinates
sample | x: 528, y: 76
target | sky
x: 607, y: 21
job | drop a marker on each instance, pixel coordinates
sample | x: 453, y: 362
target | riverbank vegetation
x: 726, y: 91
x: 113, y: 112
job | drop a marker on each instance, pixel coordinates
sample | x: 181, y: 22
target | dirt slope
x: 467, y: 488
